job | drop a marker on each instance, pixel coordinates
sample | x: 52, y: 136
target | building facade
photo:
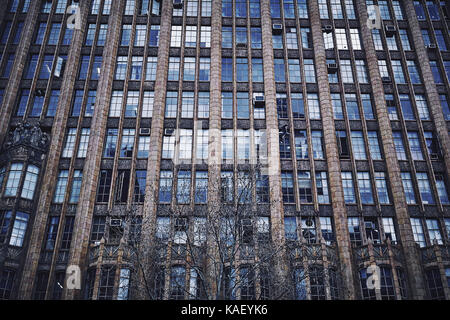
x: 119, y: 107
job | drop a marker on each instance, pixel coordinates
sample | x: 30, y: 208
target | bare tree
x: 220, y: 251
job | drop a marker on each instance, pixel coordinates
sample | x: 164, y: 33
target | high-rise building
x: 317, y: 129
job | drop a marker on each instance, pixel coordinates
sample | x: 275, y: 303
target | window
x: 398, y: 71
x: 347, y: 184
x: 165, y: 186
x: 306, y: 37
x: 46, y: 67
x: 445, y: 106
x: 343, y: 145
x: 310, y: 73
x: 227, y: 37
x: 313, y: 106
x: 76, y: 186
x: 424, y: 188
x: 174, y: 69
x: 206, y: 8
x: 380, y: 183
x: 203, y: 105
x: 301, y: 144
x: 139, y: 185
x: 436, y: 72
x: 171, y: 104
x: 168, y: 147
x: 361, y: 71
x: 434, y: 282
x: 185, y: 152
x: 365, y: 188
x: 279, y: 70
x: 294, y: 70
x: 19, y: 229
x: 433, y: 10
x: 346, y: 71
x: 6, y: 283
x: 285, y: 145
x: 256, y: 38
x: 287, y: 185
x: 153, y: 38
x: 354, y: 36
x: 175, y: 40
x: 126, y: 147
x: 359, y: 150
x: 399, y: 147
x: 136, y: 68
x: 12, y: 184
x: 205, y: 65
x: 124, y: 283
x: 29, y: 184
x: 98, y: 228
x: 201, y: 187
x: 54, y: 34
x: 413, y: 72
x: 341, y: 39
x: 241, y: 36
x: 440, y: 39
x: 243, y: 111
x: 414, y: 145
x: 389, y: 229
x: 322, y: 187
x: 107, y: 275
x: 227, y: 105
x: 242, y: 69
x: 177, y: 283
x: 404, y: 39
x: 387, y: 284
x: 408, y: 188
x: 418, y: 233
x: 354, y: 230
x: 52, y: 231
x: 323, y: 9
x: 291, y: 38
x: 422, y: 107
x: 378, y: 44
x: 191, y: 36
x: 317, y: 145
x: 104, y: 185
x: 442, y: 190
x: 61, y: 186
x: 374, y: 148
x: 227, y: 144
x: 305, y: 187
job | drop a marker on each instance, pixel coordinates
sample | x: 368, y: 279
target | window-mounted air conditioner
x: 177, y: 4
x: 144, y: 131
x: 277, y: 28
x: 327, y: 28
x: 332, y: 67
x: 115, y: 223
x: 259, y: 101
x: 431, y: 46
x: 169, y: 131
x: 386, y: 79
x: 390, y: 29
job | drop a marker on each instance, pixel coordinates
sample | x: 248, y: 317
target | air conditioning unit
x: 259, y: 101
x: 332, y: 67
x: 431, y: 46
x: 390, y: 29
x: 115, y: 223
x: 178, y: 4
x: 386, y: 79
x: 434, y: 156
x: 277, y: 28
x: 180, y: 224
x: 144, y: 131
x: 169, y: 131
x: 327, y: 28
x: 369, y: 225
x: 40, y: 92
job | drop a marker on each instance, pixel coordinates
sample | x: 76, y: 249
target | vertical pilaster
x: 51, y: 169
x: 331, y: 148
x: 434, y: 102
x: 156, y: 136
x: 412, y: 259
x: 86, y: 204
x: 215, y: 124
x: 273, y: 151
x: 17, y: 70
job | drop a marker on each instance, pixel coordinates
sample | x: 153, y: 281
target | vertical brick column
x: 86, y: 204
x: 273, y: 149
x: 334, y: 167
x: 214, y: 139
x: 51, y: 169
x: 20, y: 60
x: 412, y: 258
x: 434, y: 102
x: 156, y: 136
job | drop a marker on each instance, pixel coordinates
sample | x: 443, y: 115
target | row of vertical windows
x: 13, y: 180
